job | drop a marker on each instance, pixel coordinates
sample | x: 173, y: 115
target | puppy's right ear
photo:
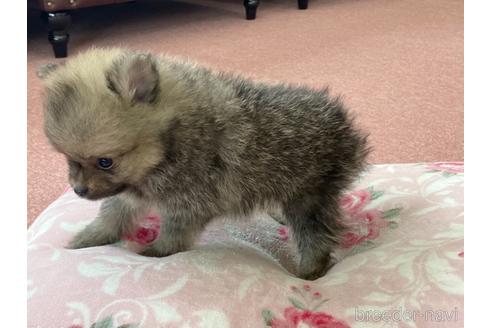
x: 135, y: 78
x: 44, y: 71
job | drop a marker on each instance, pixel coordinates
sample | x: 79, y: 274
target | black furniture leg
x: 251, y: 6
x: 302, y: 4
x: 58, y: 35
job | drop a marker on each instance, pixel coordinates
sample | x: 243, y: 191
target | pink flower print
x: 363, y: 226
x: 145, y: 236
x: 461, y: 254
x: 323, y: 320
x: 350, y: 239
x: 294, y: 317
x: 75, y: 326
x: 447, y: 167
x: 147, y: 230
x: 303, y: 314
x: 352, y: 203
x: 374, y: 221
x: 283, y: 232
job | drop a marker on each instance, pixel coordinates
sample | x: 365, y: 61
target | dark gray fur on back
x: 275, y: 144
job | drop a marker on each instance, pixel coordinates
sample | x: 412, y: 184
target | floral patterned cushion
x: 400, y: 265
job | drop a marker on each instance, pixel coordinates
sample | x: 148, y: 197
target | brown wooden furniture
x: 58, y: 16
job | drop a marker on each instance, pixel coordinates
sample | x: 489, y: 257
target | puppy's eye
x: 105, y: 163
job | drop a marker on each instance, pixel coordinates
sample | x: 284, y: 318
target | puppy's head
x: 100, y: 113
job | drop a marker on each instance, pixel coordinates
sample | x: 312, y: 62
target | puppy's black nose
x: 81, y: 191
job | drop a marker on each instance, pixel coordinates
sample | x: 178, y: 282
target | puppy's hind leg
x: 316, y: 229
x: 111, y: 222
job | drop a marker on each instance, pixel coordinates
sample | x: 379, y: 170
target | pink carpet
x: 398, y: 63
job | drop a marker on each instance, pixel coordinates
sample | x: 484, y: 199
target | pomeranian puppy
x: 143, y: 131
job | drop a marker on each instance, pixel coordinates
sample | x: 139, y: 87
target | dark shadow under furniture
x: 302, y: 4
x: 57, y: 13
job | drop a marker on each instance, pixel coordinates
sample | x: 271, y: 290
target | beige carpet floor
x: 398, y: 63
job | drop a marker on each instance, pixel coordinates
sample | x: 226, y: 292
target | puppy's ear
x: 135, y: 78
x: 44, y: 71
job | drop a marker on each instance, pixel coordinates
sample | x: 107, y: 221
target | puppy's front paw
x: 90, y: 238
x: 152, y: 251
